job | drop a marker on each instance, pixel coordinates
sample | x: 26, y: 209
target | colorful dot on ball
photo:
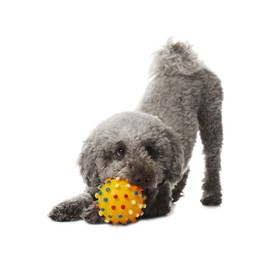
x: 125, y: 196
x: 136, y: 192
x: 107, y: 189
x: 105, y: 199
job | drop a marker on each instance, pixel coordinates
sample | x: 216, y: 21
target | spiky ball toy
x: 119, y: 201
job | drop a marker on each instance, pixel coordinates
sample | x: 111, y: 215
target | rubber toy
x: 120, y: 202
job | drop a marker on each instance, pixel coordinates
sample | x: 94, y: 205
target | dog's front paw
x: 212, y: 200
x: 65, y: 212
x: 91, y: 215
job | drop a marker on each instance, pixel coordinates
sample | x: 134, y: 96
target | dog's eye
x: 151, y: 152
x: 120, y: 152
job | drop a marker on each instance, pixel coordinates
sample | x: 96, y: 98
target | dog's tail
x: 175, y: 59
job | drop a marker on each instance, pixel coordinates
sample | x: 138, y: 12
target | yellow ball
x: 119, y: 201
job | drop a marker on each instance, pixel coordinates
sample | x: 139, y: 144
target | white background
x: 67, y: 65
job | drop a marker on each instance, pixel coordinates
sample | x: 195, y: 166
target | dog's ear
x: 177, y: 157
x: 87, y: 162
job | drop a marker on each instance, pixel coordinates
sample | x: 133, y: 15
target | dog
x: 151, y: 146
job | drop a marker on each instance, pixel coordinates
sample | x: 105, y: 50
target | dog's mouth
x: 143, y: 186
x: 143, y: 178
x: 144, y: 183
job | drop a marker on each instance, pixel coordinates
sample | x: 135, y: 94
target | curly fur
x: 157, y: 139
x: 175, y: 58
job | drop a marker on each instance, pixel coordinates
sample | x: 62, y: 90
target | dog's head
x: 133, y: 146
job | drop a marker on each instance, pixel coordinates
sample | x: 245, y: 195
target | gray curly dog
x: 152, y: 146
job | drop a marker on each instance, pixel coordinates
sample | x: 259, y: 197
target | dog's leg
x: 159, y: 203
x: 79, y: 207
x: 210, y: 125
x: 91, y: 215
x: 71, y: 209
x: 177, y: 192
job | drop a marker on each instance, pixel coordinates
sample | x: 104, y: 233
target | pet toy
x: 119, y: 202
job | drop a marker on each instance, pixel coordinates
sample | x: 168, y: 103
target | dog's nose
x: 141, y: 180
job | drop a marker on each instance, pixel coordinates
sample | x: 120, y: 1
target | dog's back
x: 187, y: 96
x: 179, y: 88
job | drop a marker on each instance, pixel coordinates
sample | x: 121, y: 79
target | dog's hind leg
x: 210, y: 125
